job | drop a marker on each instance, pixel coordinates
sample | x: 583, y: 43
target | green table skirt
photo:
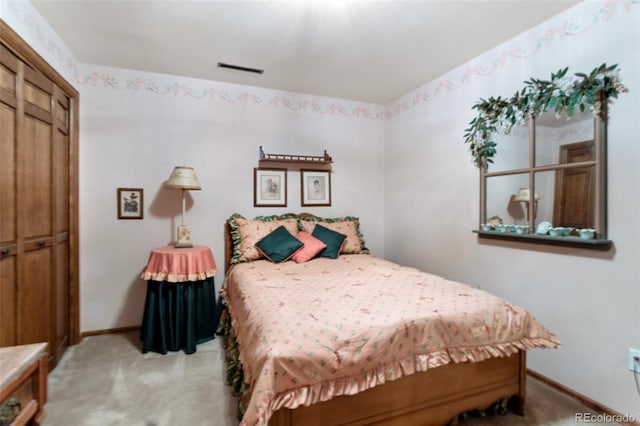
x: 178, y: 315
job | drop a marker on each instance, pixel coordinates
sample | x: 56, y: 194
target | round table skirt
x: 178, y: 315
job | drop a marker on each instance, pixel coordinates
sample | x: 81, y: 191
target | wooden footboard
x: 431, y: 398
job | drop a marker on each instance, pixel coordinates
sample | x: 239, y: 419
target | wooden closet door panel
x: 62, y: 279
x: 8, y: 283
x: 8, y: 197
x: 9, y: 64
x: 61, y: 296
x: 8, y: 79
x: 8, y: 225
x: 61, y: 171
x: 37, y: 155
x: 36, y: 190
x: 8, y: 182
x: 38, y: 92
x: 8, y: 72
x: 34, y: 296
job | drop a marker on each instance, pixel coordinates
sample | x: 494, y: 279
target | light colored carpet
x: 107, y: 380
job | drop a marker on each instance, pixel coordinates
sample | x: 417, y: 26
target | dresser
x: 23, y: 384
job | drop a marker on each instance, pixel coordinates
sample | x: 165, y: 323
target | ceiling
x: 373, y: 51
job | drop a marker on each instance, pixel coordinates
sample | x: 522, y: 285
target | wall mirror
x: 542, y: 160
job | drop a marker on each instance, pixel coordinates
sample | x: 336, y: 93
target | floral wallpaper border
x: 510, y: 55
x: 218, y: 91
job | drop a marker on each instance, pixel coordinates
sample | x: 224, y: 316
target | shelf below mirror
x: 592, y: 244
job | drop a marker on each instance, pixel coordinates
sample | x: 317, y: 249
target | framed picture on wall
x: 130, y: 203
x: 315, y: 186
x: 269, y: 187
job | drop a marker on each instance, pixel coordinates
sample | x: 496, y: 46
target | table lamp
x: 183, y: 178
x: 524, y: 195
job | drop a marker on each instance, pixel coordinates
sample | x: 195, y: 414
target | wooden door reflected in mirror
x: 573, y: 204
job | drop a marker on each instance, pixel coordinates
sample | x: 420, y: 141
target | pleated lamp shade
x: 524, y: 194
x: 183, y: 178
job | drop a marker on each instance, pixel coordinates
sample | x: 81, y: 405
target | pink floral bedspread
x: 308, y: 332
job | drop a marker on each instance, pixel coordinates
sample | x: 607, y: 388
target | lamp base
x: 184, y: 237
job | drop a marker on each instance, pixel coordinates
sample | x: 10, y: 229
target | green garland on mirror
x: 561, y: 94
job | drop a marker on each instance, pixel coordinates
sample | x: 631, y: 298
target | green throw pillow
x: 279, y: 245
x: 331, y: 238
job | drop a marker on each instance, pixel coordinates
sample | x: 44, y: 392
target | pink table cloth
x: 177, y: 265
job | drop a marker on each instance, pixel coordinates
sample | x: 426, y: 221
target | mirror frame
x: 562, y: 95
x: 600, y: 240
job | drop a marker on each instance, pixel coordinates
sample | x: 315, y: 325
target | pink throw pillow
x: 312, y: 246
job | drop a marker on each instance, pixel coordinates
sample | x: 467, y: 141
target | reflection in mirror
x: 544, y: 184
x: 512, y: 150
x: 574, y: 197
x: 501, y: 201
x: 524, y: 196
x: 554, y: 133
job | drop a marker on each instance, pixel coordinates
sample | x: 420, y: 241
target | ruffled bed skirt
x: 241, y: 390
x: 235, y: 375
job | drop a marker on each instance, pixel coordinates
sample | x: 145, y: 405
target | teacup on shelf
x: 586, y: 233
x: 486, y: 227
x: 500, y: 227
x: 566, y: 231
x: 560, y: 231
x: 556, y: 232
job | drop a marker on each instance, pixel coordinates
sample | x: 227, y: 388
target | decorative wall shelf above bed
x: 296, y: 162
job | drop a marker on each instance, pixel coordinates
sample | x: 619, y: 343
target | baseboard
x: 594, y: 405
x: 110, y: 331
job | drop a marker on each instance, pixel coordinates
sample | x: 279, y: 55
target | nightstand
x: 180, y: 305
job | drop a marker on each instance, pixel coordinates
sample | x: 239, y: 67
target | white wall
x: 590, y: 299
x: 135, y: 127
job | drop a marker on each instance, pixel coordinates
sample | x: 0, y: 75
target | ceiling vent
x: 240, y: 68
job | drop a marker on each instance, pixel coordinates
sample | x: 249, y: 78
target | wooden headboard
x: 228, y: 242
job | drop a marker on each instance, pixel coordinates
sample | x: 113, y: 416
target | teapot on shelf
x: 543, y: 227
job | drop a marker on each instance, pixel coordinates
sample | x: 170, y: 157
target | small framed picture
x: 269, y: 187
x: 130, y: 203
x: 316, y: 187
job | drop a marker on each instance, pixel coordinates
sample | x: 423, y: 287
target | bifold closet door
x: 36, y: 192
x: 9, y: 65
x: 34, y: 206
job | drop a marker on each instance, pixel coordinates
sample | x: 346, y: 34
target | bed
x: 356, y: 340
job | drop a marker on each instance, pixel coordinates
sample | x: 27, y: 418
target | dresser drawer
x: 24, y: 393
x: 20, y: 406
